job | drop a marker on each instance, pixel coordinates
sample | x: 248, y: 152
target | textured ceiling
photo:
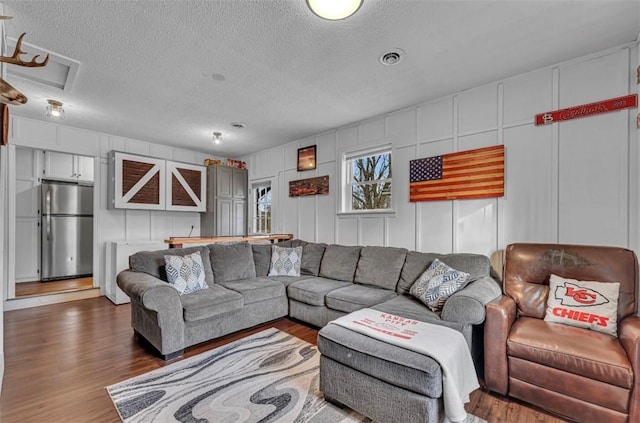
x: 171, y: 72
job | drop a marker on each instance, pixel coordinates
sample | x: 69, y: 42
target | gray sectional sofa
x: 334, y: 280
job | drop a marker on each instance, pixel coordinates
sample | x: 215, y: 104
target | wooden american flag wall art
x: 467, y: 174
x: 140, y: 182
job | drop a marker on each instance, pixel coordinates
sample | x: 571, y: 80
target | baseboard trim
x: 20, y: 303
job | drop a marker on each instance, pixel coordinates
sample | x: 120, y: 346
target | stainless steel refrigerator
x: 66, y: 230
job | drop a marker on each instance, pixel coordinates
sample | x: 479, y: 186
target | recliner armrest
x: 468, y: 304
x: 501, y: 314
x: 629, y: 336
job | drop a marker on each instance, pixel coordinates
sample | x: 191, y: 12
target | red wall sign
x: 598, y: 107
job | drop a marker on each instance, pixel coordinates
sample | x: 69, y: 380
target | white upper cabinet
x: 68, y: 166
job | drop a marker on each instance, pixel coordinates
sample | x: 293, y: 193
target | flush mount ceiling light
x: 55, y: 110
x: 217, y: 137
x: 334, y: 10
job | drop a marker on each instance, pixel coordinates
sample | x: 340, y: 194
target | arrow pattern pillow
x: 585, y: 304
x: 285, y: 261
x: 185, y: 273
x: 437, y: 284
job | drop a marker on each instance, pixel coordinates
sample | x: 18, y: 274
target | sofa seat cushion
x: 288, y: 280
x: 380, y: 266
x: 210, y: 302
x: 579, y: 351
x: 395, y: 365
x: 312, y: 291
x: 409, y: 307
x: 256, y: 289
x: 354, y: 297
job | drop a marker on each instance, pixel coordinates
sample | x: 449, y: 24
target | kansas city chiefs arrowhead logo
x: 571, y: 294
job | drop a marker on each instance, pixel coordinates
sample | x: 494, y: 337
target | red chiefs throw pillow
x: 585, y: 304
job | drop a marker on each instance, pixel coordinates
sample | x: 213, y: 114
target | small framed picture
x: 306, y: 158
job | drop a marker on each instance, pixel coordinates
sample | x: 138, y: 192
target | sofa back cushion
x: 262, y: 258
x: 232, y: 262
x: 153, y: 263
x: 415, y: 264
x: 312, y: 258
x: 339, y: 262
x: 476, y: 265
x: 380, y: 266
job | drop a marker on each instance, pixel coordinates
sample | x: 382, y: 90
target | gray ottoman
x: 384, y: 382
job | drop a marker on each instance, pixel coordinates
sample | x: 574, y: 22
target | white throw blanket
x: 445, y: 345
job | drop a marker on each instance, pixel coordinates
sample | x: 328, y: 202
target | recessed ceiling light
x: 238, y: 125
x: 392, y: 57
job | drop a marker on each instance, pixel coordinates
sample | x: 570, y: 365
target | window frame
x: 255, y: 186
x: 347, y: 183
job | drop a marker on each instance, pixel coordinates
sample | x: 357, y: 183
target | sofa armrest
x: 501, y: 314
x: 629, y: 336
x: 468, y: 304
x: 150, y: 292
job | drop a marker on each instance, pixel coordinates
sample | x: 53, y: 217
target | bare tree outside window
x: 371, y: 182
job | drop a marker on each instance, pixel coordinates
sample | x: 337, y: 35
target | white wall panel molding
x: 555, y: 158
x: 435, y: 120
x: 348, y: 136
x: 634, y: 156
x: 478, y: 109
x: 454, y: 204
x: 32, y: 133
x: 549, y: 170
x: 371, y: 231
x: 373, y: 128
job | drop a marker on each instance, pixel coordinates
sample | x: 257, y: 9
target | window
x: 368, y: 180
x: 262, y: 208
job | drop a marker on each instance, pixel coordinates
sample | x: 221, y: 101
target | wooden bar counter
x: 175, y: 242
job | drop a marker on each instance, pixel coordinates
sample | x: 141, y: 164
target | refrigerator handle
x: 47, y: 211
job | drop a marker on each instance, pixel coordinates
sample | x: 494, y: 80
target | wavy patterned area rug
x: 267, y: 377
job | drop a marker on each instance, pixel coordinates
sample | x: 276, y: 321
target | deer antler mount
x: 15, y: 59
x: 8, y: 94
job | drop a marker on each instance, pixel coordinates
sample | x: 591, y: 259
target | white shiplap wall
x: 570, y: 182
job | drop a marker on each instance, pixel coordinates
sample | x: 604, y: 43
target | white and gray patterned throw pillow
x: 438, y: 283
x: 185, y: 273
x: 285, y: 261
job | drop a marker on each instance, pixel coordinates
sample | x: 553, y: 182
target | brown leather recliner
x: 580, y: 374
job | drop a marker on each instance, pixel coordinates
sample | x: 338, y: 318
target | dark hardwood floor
x: 59, y: 359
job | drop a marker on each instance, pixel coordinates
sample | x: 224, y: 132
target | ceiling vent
x: 392, y: 57
x: 60, y: 71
